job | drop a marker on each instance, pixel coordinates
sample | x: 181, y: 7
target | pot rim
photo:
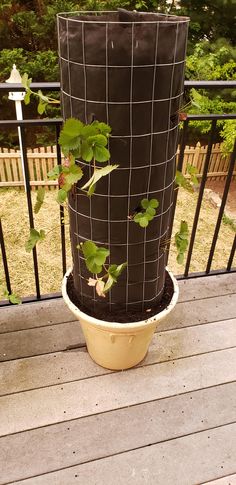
x: 100, y: 323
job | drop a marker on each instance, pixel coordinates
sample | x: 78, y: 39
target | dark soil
x: 122, y: 316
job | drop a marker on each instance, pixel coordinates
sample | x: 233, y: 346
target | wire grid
x: 152, y: 176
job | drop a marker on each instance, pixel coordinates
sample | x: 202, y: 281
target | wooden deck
x: 170, y: 421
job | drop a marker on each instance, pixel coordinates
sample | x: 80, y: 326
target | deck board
x: 171, y: 420
x: 45, y: 406
x: 51, y: 338
x: 46, y: 370
x: 82, y: 440
x: 182, y: 461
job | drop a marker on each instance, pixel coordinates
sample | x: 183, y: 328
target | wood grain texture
x: 188, y: 460
x: 229, y: 480
x: 25, y: 343
x: 32, y: 315
x: 41, y: 407
x: 46, y: 370
x: 207, y: 287
x: 169, y: 421
x: 82, y: 440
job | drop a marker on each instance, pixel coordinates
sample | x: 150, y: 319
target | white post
x: 18, y: 97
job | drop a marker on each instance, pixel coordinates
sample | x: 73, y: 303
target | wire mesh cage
x: 126, y: 69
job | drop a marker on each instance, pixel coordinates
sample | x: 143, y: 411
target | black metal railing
x: 23, y: 125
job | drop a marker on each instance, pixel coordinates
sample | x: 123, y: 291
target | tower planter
x: 125, y: 69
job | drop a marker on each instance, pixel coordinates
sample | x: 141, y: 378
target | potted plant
x: 122, y: 77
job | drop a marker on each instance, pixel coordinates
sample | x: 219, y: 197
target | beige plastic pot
x: 114, y: 345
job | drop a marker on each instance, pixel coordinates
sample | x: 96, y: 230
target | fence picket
x: 14, y: 165
x: 8, y: 166
x: 43, y: 159
x: 2, y: 169
x: 37, y: 166
x: 44, y: 167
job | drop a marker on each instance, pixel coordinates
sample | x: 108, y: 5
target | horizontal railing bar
x: 44, y: 86
x: 33, y: 122
x: 59, y: 121
x: 201, y: 117
x: 33, y: 183
x: 55, y: 86
x: 200, y: 274
x: 54, y: 296
x: 209, y: 84
x: 33, y: 299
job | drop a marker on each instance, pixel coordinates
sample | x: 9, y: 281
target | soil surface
x: 123, y: 317
x: 218, y: 187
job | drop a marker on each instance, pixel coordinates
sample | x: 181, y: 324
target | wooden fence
x: 43, y: 159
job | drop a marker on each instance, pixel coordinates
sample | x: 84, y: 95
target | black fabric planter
x: 126, y: 69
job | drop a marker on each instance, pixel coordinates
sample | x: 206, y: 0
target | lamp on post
x: 18, y: 97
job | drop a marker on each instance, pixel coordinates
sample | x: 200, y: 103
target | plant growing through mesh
x: 89, y: 142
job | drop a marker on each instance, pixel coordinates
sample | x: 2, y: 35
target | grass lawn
x: 13, y: 212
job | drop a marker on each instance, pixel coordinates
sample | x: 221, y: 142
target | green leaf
x: 138, y: 216
x: 92, y: 266
x: 143, y: 221
x: 149, y: 204
x: 154, y: 203
x: 70, y: 135
x: 184, y: 229
x: 151, y: 211
x: 148, y: 216
x: 15, y: 299
x: 42, y: 97
x: 27, y: 97
x: 181, y: 180
x: 55, y: 172
x: 39, y: 199
x: 95, y: 257
x: 181, y: 241
x: 180, y: 258
x: 76, y: 153
x: 101, y: 153
x: 101, y: 255
x: 109, y: 283
x: 98, y: 140
x: 145, y: 203
x: 86, y: 152
x: 89, y: 130
x: 61, y: 196
x: 142, y: 218
x: 26, y: 81
x: 42, y: 107
x: 97, y: 175
x: 102, y: 127
x: 115, y: 270
x: 89, y: 249
x: 34, y: 237
x: 75, y: 174
x: 192, y: 171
